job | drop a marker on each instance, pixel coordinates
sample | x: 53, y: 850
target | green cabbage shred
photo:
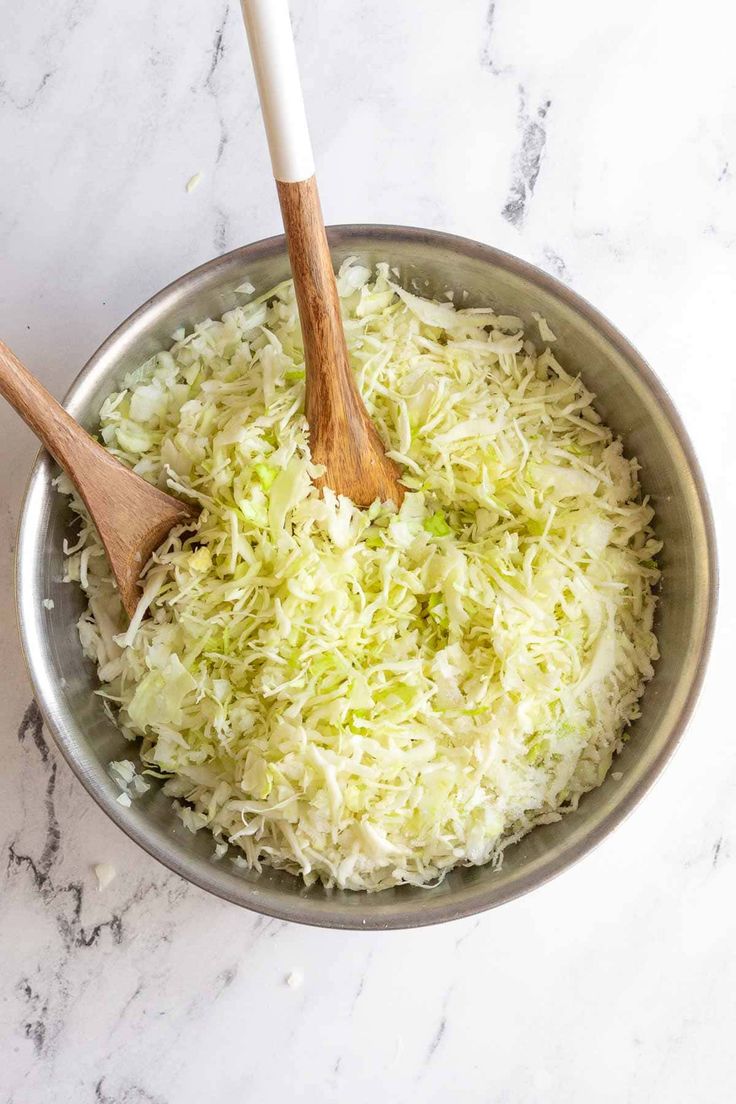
x: 370, y: 697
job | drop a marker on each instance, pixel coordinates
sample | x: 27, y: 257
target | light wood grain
x: 341, y: 433
x: 131, y: 516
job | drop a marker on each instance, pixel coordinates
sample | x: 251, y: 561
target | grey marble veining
x: 599, y: 142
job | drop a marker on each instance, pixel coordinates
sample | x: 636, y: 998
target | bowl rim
x: 443, y: 909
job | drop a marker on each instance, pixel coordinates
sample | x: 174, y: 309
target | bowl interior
x: 630, y: 399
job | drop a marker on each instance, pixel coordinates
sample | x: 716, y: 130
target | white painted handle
x: 274, y: 60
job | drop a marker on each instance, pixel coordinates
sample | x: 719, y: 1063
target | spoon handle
x: 56, y: 429
x: 342, y: 437
x: 332, y: 402
x: 272, y: 50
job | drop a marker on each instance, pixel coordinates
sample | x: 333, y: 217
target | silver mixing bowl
x: 632, y: 401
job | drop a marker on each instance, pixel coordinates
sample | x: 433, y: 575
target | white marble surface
x: 597, y: 140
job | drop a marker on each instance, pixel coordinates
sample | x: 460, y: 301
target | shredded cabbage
x: 370, y: 697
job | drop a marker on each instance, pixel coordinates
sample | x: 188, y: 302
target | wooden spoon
x: 131, y: 516
x: 342, y: 436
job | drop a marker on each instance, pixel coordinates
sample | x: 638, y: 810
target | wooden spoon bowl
x: 342, y: 435
x: 131, y: 516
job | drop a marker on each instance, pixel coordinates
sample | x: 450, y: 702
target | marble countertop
x: 595, y: 140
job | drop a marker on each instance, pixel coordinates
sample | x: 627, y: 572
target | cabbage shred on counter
x: 368, y: 697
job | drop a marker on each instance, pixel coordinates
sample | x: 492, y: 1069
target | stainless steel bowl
x: 631, y: 400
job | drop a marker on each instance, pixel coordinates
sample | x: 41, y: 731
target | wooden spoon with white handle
x: 131, y: 516
x: 342, y: 436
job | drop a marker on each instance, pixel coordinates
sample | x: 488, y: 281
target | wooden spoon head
x: 355, y: 461
x: 133, y: 518
x: 128, y: 561
x: 341, y: 433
